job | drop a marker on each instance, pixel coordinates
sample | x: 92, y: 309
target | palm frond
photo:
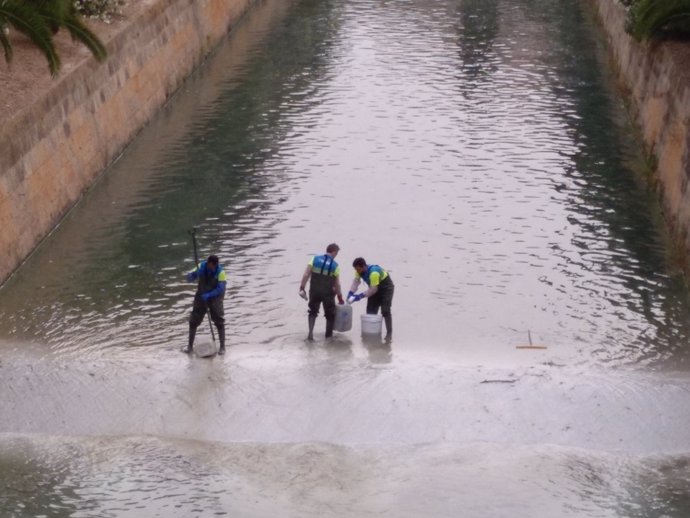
x: 79, y: 31
x: 56, y: 16
x: 6, y: 45
x: 24, y: 18
x: 654, y: 18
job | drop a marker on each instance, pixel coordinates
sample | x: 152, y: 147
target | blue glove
x: 205, y: 296
x: 191, y: 276
x: 350, y: 294
x: 359, y: 296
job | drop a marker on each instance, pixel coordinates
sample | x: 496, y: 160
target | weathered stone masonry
x: 52, y: 151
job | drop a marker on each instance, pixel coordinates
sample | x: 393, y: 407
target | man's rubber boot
x: 388, y: 319
x: 190, y: 344
x: 329, y: 327
x: 312, y: 321
x: 221, y: 339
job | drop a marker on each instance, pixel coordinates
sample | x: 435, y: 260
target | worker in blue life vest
x: 211, y: 283
x: 379, y: 294
x: 323, y: 275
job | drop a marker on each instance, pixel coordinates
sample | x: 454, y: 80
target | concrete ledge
x: 657, y: 76
x: 53, y: 150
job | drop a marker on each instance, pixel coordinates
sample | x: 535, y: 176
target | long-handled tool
x: 196, y: 262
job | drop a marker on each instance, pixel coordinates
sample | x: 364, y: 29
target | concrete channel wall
x: 53, y: 150
x: 657, y: 76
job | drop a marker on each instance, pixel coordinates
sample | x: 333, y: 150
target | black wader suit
x: 383, y: 298
x: 207, y: 282
x: 324, y: 271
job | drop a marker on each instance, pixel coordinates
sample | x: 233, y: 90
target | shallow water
x: 142, y: 476
x: 477, y: 150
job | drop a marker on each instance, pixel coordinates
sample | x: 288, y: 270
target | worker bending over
x: 379, y: 294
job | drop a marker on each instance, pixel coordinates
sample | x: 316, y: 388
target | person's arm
x: 193, y: 275
x: 305, y: 278
x: 215, y: 292
x: 337, y: 290
x: 219, y: 289
x: 374, y: 286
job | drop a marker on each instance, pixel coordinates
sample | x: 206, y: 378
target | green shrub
x: 101, y: 9
x: 658, y: 18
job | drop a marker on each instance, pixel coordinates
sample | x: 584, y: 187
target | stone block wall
x: 657, y: 76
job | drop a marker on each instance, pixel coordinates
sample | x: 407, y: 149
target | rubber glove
x: 350, y: 294
x: 359, y: 296
x: 205, y: 296
x: 340, y: 299
x: 303, y: 294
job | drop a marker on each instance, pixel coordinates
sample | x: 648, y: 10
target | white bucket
x: 371, y: 324
x: 343, y: 318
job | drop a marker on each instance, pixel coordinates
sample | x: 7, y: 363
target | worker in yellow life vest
x: 323, y: 275
x: 379, y: 294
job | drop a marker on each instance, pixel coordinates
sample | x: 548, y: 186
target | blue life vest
x: 374, y: 268
x: 324, y: 265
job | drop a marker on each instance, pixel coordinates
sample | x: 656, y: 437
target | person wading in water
x: 323, y: 275
x: 211, y: 283
x: 379, y: 294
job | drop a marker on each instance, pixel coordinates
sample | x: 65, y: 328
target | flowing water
x: 478, y: 150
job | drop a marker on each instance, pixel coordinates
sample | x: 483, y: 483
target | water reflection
x: 611, y: 206
x: 475, y: 148
x: 379, y: 350
x: 33, y: 483
x: 478, y: 28
x: 339, y: 348
x: 125, y: 477
x: 660, y: 488
x: 478, y: 151
x: 231, y: 188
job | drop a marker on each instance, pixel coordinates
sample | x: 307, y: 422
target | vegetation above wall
x: 40, y: 20
x: 102, y: 9
x: 655, y: 19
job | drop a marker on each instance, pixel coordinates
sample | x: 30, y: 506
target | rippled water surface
x: 146, y: 477
x: 475, y: 149
x: 479, y: 151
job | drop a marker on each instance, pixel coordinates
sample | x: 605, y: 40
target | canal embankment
x: 54, y: 148
x: 656, y: 76
x: 68, y: 132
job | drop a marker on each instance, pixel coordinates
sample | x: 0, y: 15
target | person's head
x: 332, y: 249
x: 212, y: 262
x: 360, y: 265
